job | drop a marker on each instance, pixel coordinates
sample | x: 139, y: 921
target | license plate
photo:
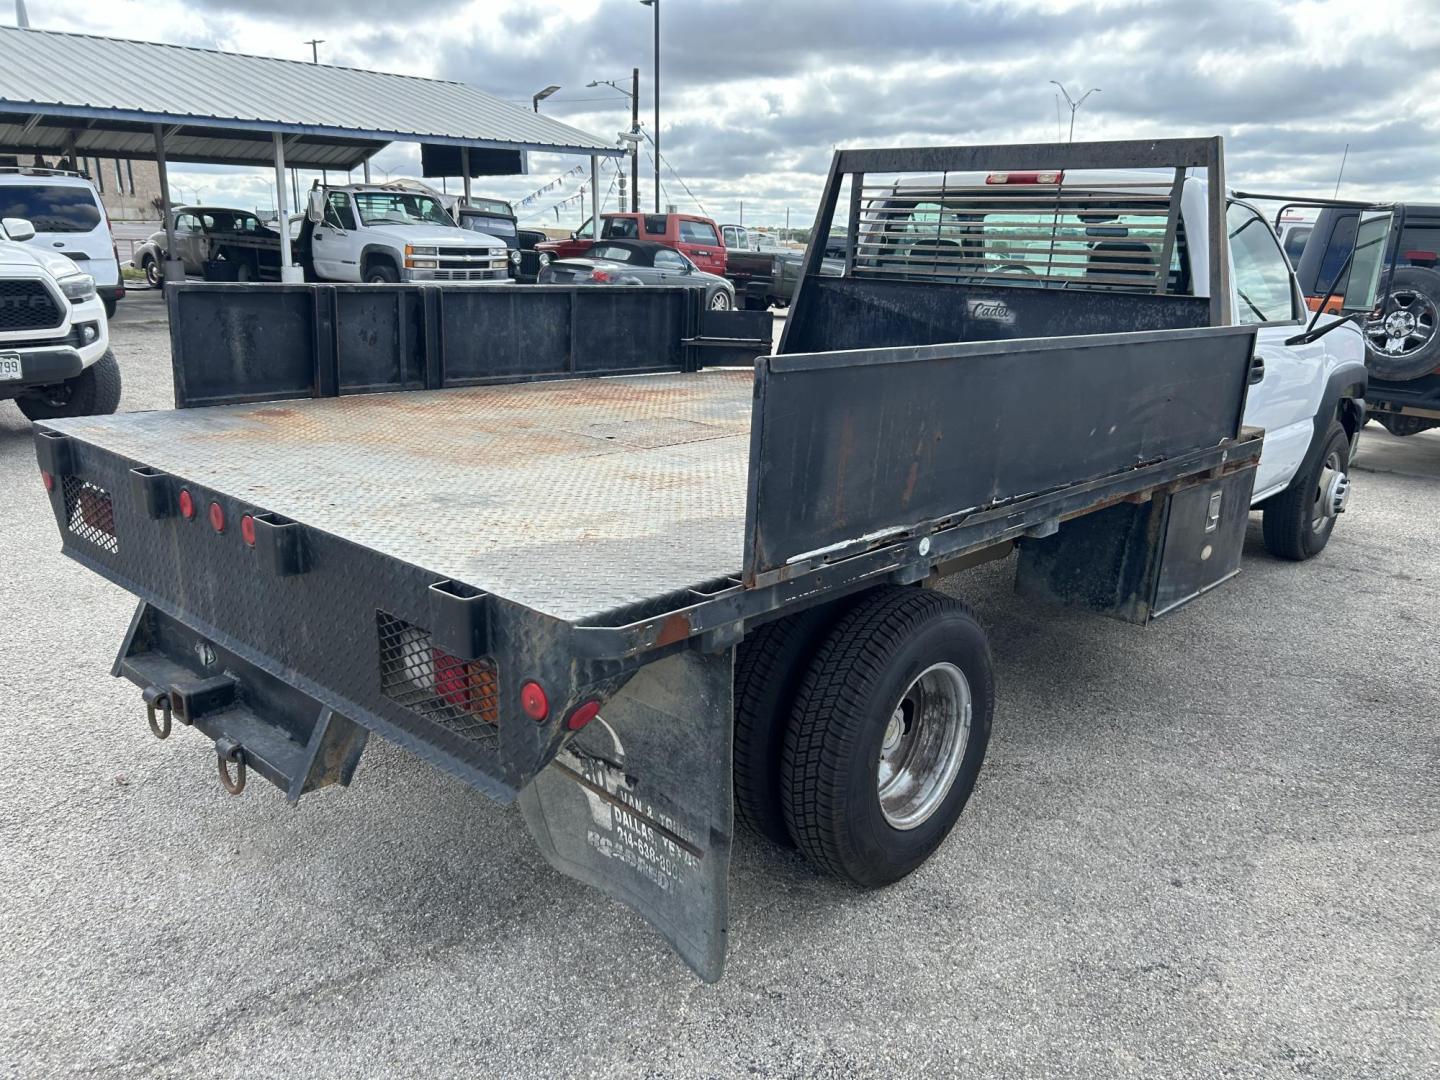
x: 10, y: 366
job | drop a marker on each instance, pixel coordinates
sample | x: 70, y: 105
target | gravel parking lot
x: 1206, y: 848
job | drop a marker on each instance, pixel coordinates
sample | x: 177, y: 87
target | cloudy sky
x: 757, y: 93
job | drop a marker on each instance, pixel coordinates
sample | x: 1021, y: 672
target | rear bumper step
x: 254, y: 719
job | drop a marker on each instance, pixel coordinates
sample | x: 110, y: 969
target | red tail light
x: 187, y: 504
x: 1029, y: 177
x: 247, y: 529
x: 582, y: 715
x: 48, y: 480
x: 600, y: 275
x: 467, y: 684
x: 534, y: 701
x: 217, y: 517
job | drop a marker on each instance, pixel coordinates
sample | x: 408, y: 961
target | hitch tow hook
x: 156, y: 699
x: 226, y: 751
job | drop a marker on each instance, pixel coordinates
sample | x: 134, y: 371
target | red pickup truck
x: 698, y: 238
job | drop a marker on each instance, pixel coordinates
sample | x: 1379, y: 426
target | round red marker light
x: 247, y: 529
x: 187, y: 504
x: 534, y: 701
x: 582, y: 715
x: 47, y: 480
x: 217, y: 517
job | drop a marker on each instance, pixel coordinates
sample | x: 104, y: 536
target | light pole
x: 1075, y: 105
x: 315, y: 44
x: 541, y: 96
x: 634, y: 95
x: 654, y: 5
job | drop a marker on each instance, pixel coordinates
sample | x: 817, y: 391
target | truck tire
x: 888, y: 734
x: 110, y: 303
x: 756, y: 303
x: 94, y: 392
x: 1298, y: 522
x: 381, y: 273
x: 769, y: 664
x: 1405, y: 344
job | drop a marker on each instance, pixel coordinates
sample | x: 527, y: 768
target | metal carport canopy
x: 75, y: 94
x: 107, y: 95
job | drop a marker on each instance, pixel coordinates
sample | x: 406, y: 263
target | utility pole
x: 654, y: 5
x: 635, y: 146
x: 315, y: 44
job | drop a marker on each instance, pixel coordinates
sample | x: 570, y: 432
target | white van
x: 69, y: 219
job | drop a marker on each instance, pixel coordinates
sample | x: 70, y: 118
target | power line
x: 675, y: 174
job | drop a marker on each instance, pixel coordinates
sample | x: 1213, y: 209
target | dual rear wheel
x: 860, y: 731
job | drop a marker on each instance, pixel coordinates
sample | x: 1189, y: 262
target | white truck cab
x: 377, y: 234
x: 55, y: 357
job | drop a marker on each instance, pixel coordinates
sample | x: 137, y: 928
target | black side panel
x: 1138, y: 561
x: 227, y: 337
x: 242, y: 343
x: 854, y: 313
x: 968, y: 426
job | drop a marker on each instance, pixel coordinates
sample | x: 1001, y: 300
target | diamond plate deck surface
x: 570, y: 497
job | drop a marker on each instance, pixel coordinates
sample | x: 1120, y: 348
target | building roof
x: 224, y: 107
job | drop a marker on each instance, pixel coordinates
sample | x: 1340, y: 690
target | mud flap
x: 638, y: 804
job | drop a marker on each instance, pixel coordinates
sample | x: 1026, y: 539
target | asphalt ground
x: 1206, y: 848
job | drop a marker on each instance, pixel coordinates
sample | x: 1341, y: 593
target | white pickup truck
x: 55, y: 358
x: 375, y: 234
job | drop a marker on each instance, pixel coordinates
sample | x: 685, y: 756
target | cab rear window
x: 698, y: 232
x: 51, y: 209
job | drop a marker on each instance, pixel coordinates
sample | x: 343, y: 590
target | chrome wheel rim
x: 1331, y: 492
x: 923, y: 746
x: 719, y: 302
x: 1407, y: 326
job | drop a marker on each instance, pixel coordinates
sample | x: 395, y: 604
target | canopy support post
x: 289, y: 272
x: 173, y: 268
x: 595, y: 197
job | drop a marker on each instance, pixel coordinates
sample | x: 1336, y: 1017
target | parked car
x: 737, y: 238
x: 216, y: 242
x: 55, y: 357
x: 494, y: 217
x: 697, y: 238
x: 1294, y: 230
x: 532, y: 258
x: 639, y: 262
x: 766, y: 279
x: 1397, y: 246
x: 376, y: 234
x: 66, y: 213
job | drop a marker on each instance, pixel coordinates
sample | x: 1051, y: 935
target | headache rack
x: 1034, y: 216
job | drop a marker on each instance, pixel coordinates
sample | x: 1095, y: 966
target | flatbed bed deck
x: 569, y: 497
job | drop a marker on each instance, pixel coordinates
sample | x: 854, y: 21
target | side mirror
x: 17, y: 228
x: 315, y: 205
